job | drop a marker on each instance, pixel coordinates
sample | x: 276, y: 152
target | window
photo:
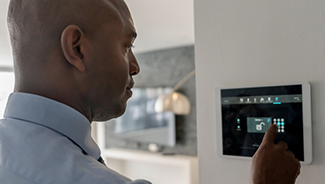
x: 6, y: 87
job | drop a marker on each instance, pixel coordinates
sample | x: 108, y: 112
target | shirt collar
x: 54, y: 115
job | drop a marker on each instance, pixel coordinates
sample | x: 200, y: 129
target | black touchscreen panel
x: 248, y: 112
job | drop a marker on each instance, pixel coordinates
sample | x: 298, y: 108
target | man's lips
x: 130, y: 86
x: 129, y: 91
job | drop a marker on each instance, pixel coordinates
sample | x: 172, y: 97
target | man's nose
x: 134, y: 65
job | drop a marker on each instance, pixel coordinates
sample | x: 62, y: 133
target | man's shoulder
x: 40, y: 155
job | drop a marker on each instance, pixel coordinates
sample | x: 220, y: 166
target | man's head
x: 77, y: 52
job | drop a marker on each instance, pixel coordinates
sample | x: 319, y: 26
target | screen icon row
x: 260, y: 99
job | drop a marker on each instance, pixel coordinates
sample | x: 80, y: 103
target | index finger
x: 270, y: 134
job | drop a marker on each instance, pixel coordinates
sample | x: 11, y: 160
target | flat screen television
x: 141, y: 123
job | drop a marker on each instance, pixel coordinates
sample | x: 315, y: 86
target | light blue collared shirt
x: 43, y: 141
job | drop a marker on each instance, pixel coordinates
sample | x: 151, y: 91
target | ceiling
x: 160, y: 24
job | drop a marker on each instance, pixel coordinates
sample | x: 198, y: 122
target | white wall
x: 256, y: 42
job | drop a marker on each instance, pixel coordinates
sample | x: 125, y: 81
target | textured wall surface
x: 247, y: 43
x: 166, y: 68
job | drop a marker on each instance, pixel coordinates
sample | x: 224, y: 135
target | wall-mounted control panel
x: 243, y: 115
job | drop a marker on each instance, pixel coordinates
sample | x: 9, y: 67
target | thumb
x: 270, y: 134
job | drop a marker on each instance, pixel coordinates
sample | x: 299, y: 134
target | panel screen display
x: 247, y: 113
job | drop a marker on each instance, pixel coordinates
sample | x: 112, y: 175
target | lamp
x: 175, y: 101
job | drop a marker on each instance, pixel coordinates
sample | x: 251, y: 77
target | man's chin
x: 115, y: 112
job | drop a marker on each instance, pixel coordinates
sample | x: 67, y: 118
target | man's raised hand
x: 274, y: 163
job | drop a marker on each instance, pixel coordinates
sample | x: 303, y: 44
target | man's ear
x: 72, y: 40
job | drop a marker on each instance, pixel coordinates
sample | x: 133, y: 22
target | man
x: 74, y: 65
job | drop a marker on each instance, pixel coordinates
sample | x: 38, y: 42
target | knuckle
x: 296, y: 164
x: 282, y: 144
